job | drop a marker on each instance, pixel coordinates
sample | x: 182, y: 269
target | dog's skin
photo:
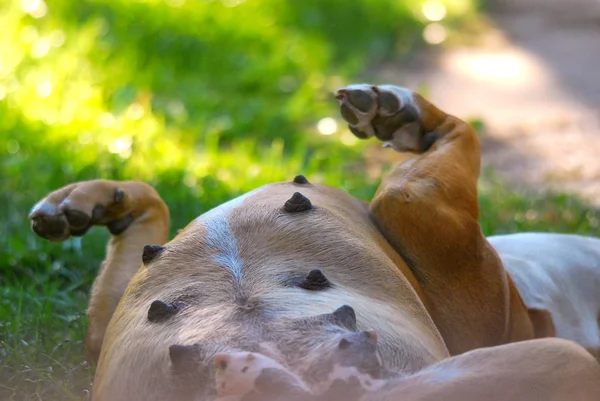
x: 248, y: 375
x: 271, y: 267
x: 345, y: 369
x: 523, y: 371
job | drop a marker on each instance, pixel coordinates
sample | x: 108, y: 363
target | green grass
x: 203, y: 100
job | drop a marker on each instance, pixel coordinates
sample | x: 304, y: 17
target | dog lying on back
x: 318, y: 294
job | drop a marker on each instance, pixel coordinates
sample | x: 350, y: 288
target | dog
x: 300, y: 266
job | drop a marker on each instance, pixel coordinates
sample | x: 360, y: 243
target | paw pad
x: 74, y: 209
x: 358, y: 106
x: 387, y: 112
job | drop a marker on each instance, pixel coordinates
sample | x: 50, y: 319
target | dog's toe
x: 362, y: 100
x: 358, y: 106
x: 388, y: 103
x: 53, y: 228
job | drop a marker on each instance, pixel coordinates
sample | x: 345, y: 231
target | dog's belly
x: 559, y: 273
x: 236, y: 270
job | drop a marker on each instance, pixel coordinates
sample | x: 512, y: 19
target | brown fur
x: 471, y: 298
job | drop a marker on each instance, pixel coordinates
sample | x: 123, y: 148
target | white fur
x: 404, y: 95
x: 560, y: 273
x: 219, y: 234
x: 43, y: 207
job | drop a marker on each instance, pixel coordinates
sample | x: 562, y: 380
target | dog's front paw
x: 73, y: 209
x: 389, y: 113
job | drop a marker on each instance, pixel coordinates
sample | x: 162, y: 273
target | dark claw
x: 119, y: 195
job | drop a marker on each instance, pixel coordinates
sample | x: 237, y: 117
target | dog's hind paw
x: 390, y: 113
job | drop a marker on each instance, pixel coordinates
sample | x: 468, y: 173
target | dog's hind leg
x: 134, y: 214
x: 427, y: 208
x: 547, y: 369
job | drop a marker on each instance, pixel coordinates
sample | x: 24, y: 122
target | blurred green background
x: 203, y: 99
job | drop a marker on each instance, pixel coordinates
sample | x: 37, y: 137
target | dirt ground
x: 534, y: 80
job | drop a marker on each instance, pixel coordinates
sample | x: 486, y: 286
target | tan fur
x: 558, y: 276
x: 150, y: 226
x: 413, y: 263
x: 272, y: 244
x: 549, y: 370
